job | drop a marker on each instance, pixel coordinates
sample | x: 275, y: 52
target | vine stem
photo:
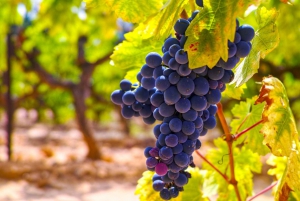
x: 247, y: 129
x: 229, y: 140
x: 263, y: 191
x: 212, y: 165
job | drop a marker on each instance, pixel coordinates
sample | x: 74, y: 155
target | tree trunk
x: 80, y: 109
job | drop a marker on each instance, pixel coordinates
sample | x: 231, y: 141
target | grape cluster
x: 183, y: 99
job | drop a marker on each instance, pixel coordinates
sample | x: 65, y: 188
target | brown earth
x: 49, y: 165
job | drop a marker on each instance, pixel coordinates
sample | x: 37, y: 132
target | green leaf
x: 234, y: 92
x: 209, y: 32
x: 279, y: 128
x: 265, y: 40
x: 192, y: 191
x: 247, y: 114
x: 279, y: 164
x: 134, y: 11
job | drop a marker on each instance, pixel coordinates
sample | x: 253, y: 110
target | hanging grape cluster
x: 183, y: 99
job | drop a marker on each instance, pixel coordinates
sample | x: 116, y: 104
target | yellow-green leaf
x: 245, y: 115
x: 265, y: 40
x: 209, y: 32
x: 279, y: 129
x: 134, y: 11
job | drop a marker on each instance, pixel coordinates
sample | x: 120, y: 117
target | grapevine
x: 183, y: 99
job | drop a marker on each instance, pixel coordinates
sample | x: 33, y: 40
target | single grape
x: 127, y: 112
x: 116, y: 97
x: 231, y: 49
x: 125, y: 85
x: 210, y: 123
x: 237, y: 38
x: 243, y: 49
x: 188, y: 127
x: 171, y: 140
x: 247, y: 32
x: 198, y: 122
x: 128, y: 98
x: 174, y: 78
x: 158, y: 185
x: 198, y: 103
x: 165, y: 152
x: 166, y: 110
x: 165, y: 194
x: 162, y: 83
x: 157, y: 99
x: 183, y: 105
x: 181, y: 56
x: 161, y: 169
x: 148, y: 83
x: 174, y: 168
x: 141, y: 94
x: 175, y: 125
x: 181, y: 25
x: 181, y: 180
x: 153, y: 59
x: 186, y: 86
x: 227, y: 77
x: 213, y: 96
x: 147, y: 71
x: 182, y: 159
x: 198, y: 144
x: 171, y: 95
x: 164, y: 128
x: 201, y: 86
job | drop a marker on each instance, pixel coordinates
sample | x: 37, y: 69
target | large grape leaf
x: 279, y: 129
x: 192, y: 191
x: 265, y: 40
x: 245, y: 163
x: 209, y: 32
x: 246, y: 114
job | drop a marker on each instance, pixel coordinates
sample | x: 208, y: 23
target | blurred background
x: 60, y: 136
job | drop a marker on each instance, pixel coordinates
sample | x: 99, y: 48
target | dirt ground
x: 49, y: 165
